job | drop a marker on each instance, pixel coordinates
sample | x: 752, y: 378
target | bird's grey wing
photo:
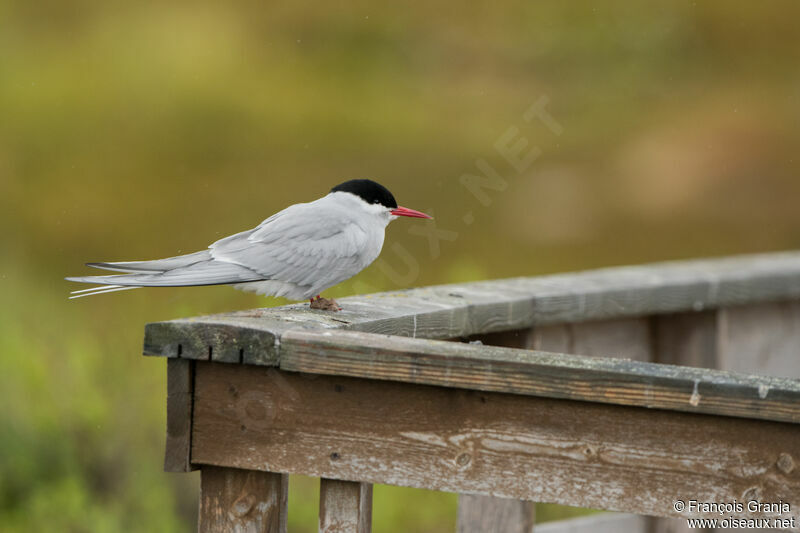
x: 305, y: 244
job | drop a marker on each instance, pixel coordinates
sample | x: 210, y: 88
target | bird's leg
x: 324, y: 304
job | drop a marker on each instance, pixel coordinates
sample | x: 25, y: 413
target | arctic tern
x: 296, y: 253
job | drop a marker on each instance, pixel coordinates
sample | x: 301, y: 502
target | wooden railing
x: 565, y: 389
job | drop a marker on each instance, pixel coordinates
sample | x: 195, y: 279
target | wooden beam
x: 761, y: 339
x: 505, y: 445
x: 486, y: 514
x: 345, y: 506
x: 489, y: 368
x: 461, y: 310
x: 235, y: 501
x: 180, y: 388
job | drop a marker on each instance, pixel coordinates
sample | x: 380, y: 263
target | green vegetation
x: 141, y: 130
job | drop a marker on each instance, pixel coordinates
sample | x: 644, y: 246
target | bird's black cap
x: 369, y: 191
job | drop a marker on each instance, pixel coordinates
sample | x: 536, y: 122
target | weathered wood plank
x: 553, y: 338
x: 625, y: 338
x: 461, y: 310
x: 600, y: 523
x: 629, y: 338
x: 574, y: 453
x: 486, y: 514
x: 761, y: 339
x: 683, y: 339
x: 221, y: 338
x: 242, y: 501
x: 686, y: 339
x: 552, y: 375
x: 480, y: 514
x: 180, y: 386
x: 345, y: 506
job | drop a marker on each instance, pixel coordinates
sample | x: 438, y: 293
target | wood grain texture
x: 600, y: 523
x: 489, y: 368
x: 478, y: 514
x: 683, y: 339
x: 553, y: 338
x: 761, y: 339
x: 240, y: 501
x: 345, y: 506
x: 504, y: 445
x: 461, y: 310
x: 180, y: 387
x: 687, y: 339
x: 624, y: 338
x: 486, y: 514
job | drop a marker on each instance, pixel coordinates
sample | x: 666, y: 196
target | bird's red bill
x: 406, y: 212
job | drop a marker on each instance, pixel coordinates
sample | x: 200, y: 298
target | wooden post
x: 486, y: 514
x: 180, y: 389
x: 242, y: 501
x: 345, y: 506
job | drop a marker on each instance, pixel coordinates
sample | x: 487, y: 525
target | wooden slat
x: 626, y: 338
x: 345, y: 506
x: 683, y: 339
x: 180, y: 385
x: 225, y: 339
x: 481, y: 514
x: 486, y: 514
x: 638, y: 339
x: 461, y: 310
x: 761, y: 339
x: 504, y: 445
x: 687, y: 339
x: 600, y: 523
x: 554, y: 338
x: 489, y: 368
x: 236, y: 501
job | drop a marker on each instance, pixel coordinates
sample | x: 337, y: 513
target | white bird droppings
x: 694, y: 399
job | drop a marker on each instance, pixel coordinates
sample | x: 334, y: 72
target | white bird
x: 296, y: 253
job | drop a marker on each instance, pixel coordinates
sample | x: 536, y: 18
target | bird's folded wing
x: 300, y: 245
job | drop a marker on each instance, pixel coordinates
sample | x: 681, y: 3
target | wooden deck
x: 624, y: 389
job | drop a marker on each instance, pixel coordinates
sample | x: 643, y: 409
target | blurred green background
x: 139, y: 130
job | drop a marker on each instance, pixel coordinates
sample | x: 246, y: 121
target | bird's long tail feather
x: 208, y: 272
x: 102, y: 289
x: 155, y: 266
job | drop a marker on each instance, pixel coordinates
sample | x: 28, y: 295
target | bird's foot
x: 325, y: 304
